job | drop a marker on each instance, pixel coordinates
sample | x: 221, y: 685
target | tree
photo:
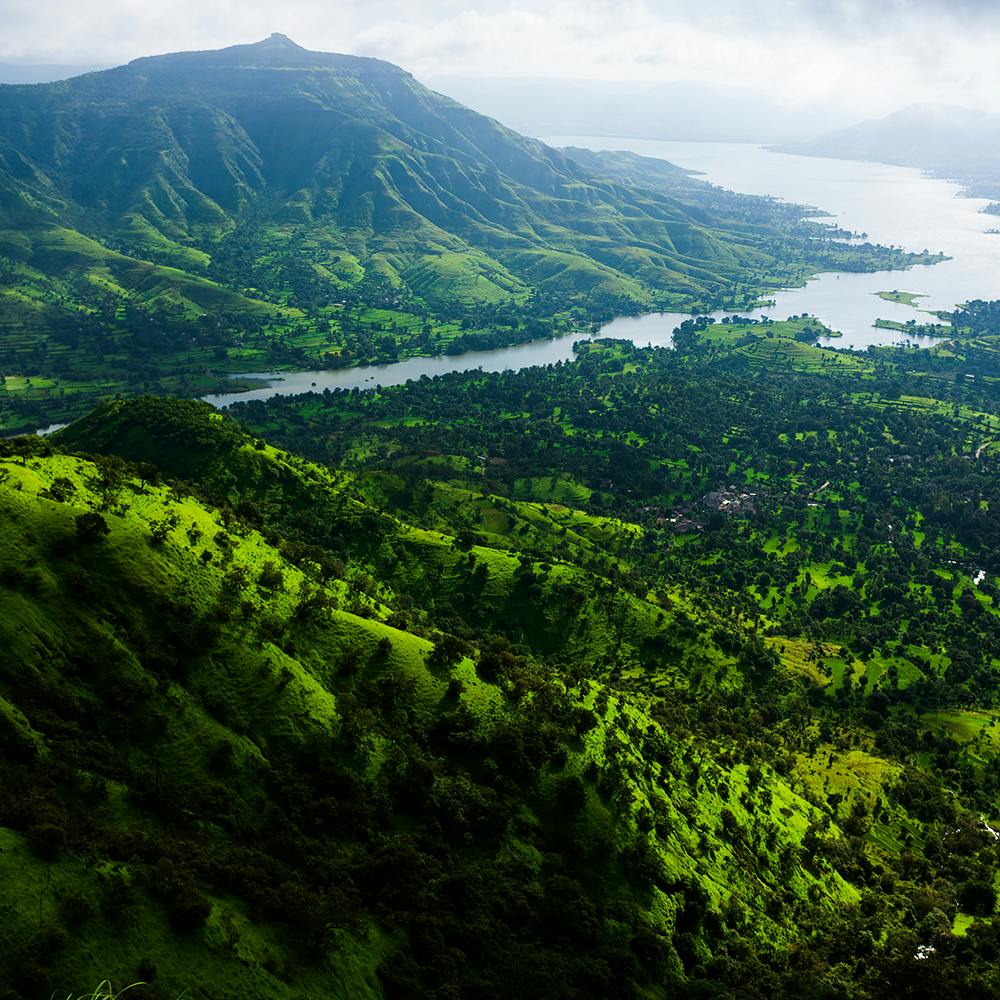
x: 977, y: 898
x: 91, y: 527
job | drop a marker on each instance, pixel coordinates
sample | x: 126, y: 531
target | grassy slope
x: 97, y: 657
x: 887, y: 438
x: 239, y: 210
x: 729, y: 806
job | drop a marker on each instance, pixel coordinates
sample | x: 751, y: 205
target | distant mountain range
x: 678, y: 110
x: 953, y: 142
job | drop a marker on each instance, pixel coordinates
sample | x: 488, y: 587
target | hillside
x: 658, y: 674
x: 189, y: 216
x: 958, y: 143
x: 850, y: 477
x: 230, y: 772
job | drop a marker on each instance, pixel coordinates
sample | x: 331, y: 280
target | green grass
x: 262, y: 696
x: 902, y: 298
x: 201, y: 252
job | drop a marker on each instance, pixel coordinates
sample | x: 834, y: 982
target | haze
x: 857, y: 57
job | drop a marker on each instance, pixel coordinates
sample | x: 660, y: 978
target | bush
x: 91, y: 527
x: 977, y: 898
x: 271, y: 577
x: 61, y: 489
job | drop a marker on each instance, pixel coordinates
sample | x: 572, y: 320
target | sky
x: 866, y: 56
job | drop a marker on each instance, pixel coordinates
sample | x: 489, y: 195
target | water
x: 539, y: 352
x: 50, y: 429
x: 896, y: 206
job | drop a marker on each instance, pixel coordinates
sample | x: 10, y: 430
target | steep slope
x: 263, y: 206
x: 219, y: 779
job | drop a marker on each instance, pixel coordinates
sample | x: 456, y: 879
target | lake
x: 897, y: 206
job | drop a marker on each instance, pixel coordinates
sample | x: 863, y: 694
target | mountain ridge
x: 262, y: 206
x: 949, y: 141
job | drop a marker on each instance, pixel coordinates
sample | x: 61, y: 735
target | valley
x: 462, y: 566
x: 286, y: 209
x: 854, y: 309
x: 367, y: 692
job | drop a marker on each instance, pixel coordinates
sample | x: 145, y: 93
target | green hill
x: 228, y: 772
x: 387, y: 728
x: 258, y: 207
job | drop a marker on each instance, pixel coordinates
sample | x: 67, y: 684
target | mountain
x: 246, y: 762
x: 193, y: 215
x: 954, y: 142
x: 659, y: 674
x: 676, y: 110
x: 166, y: 153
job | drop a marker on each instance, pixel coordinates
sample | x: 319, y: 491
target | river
x: 897, y: 206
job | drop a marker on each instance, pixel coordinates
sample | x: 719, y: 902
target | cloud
x: 866, y: 55
x: 860, y: 53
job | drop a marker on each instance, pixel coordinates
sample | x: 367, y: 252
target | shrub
x: 271, y: 577
x: 977, y: 898
x: 61, y: 489
x: 91, y: 527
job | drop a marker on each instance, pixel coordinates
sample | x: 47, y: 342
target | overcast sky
x: 872, y: 55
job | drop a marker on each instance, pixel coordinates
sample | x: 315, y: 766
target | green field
x: 902, y: 298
